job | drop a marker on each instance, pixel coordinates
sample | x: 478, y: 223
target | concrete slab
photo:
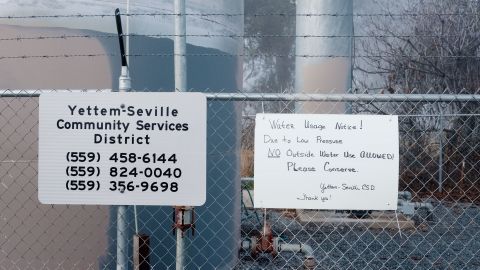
x: 376, y: 220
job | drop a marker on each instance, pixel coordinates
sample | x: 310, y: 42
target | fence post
x: 440, y: 156
x: 180, y: 258
x: 180, y: 66
x: 180, y: 47
x: 124, y: 85
x: 122, y: 256
x: 121, y: 238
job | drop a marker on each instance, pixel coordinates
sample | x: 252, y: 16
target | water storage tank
x: 323, y: 62
x: 213, y: 64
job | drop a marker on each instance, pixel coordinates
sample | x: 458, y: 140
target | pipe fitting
x: 405, y: 195
x: 309, y: 263
x: 309, y: 259
x: 246, y: 244
x: 124, y: 82
x: 183, y: 219
x: 266, y: 243
x: 424, y: 205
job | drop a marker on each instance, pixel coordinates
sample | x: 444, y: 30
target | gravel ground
x: 449, y: 238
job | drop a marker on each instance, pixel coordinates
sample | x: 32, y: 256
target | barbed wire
x: 235, y: 55
x: 22, y: 38
x: 406, y: 115
x: 301, y: 96
x: 56, y: 56
x: 281, y: 14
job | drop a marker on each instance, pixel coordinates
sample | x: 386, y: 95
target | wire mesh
x: 442, y: 232
x: 421, y: 63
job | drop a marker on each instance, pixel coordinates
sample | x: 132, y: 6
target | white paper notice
x: 312, y: 161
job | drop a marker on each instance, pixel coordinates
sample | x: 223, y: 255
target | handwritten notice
x: 313, y: 161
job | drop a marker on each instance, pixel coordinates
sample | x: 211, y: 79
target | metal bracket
x: 183, y: 219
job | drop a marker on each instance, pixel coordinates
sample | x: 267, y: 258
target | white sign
x: 122, y: 148
x: 310, y: 161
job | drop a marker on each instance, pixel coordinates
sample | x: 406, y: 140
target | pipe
x: 122, y: 238
x: 253, y: 245
x: 180, y: 47
x: 246, y: 244
x: 423, y: 205
x: 180, y: 257
x: 302, y: 248
x: 405, y: 197
x: 344, y: 97
x: 291, y: 97
x: 309, y: 262
x: 183, y: 220
x: 180, y: 69
x: 124, y: 85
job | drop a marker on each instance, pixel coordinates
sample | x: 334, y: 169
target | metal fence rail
x: 242, y: 96
x: 436, y: 225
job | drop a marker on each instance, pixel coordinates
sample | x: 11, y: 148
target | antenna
x: 120, y: 37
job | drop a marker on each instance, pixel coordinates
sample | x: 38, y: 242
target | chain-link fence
x: 437, y: 219
x: 417, y: 60
x: 436, y: 225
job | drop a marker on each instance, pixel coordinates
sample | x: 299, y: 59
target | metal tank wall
x: 327, y: 67
x: 149, y: 18
x: 215, y: 244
